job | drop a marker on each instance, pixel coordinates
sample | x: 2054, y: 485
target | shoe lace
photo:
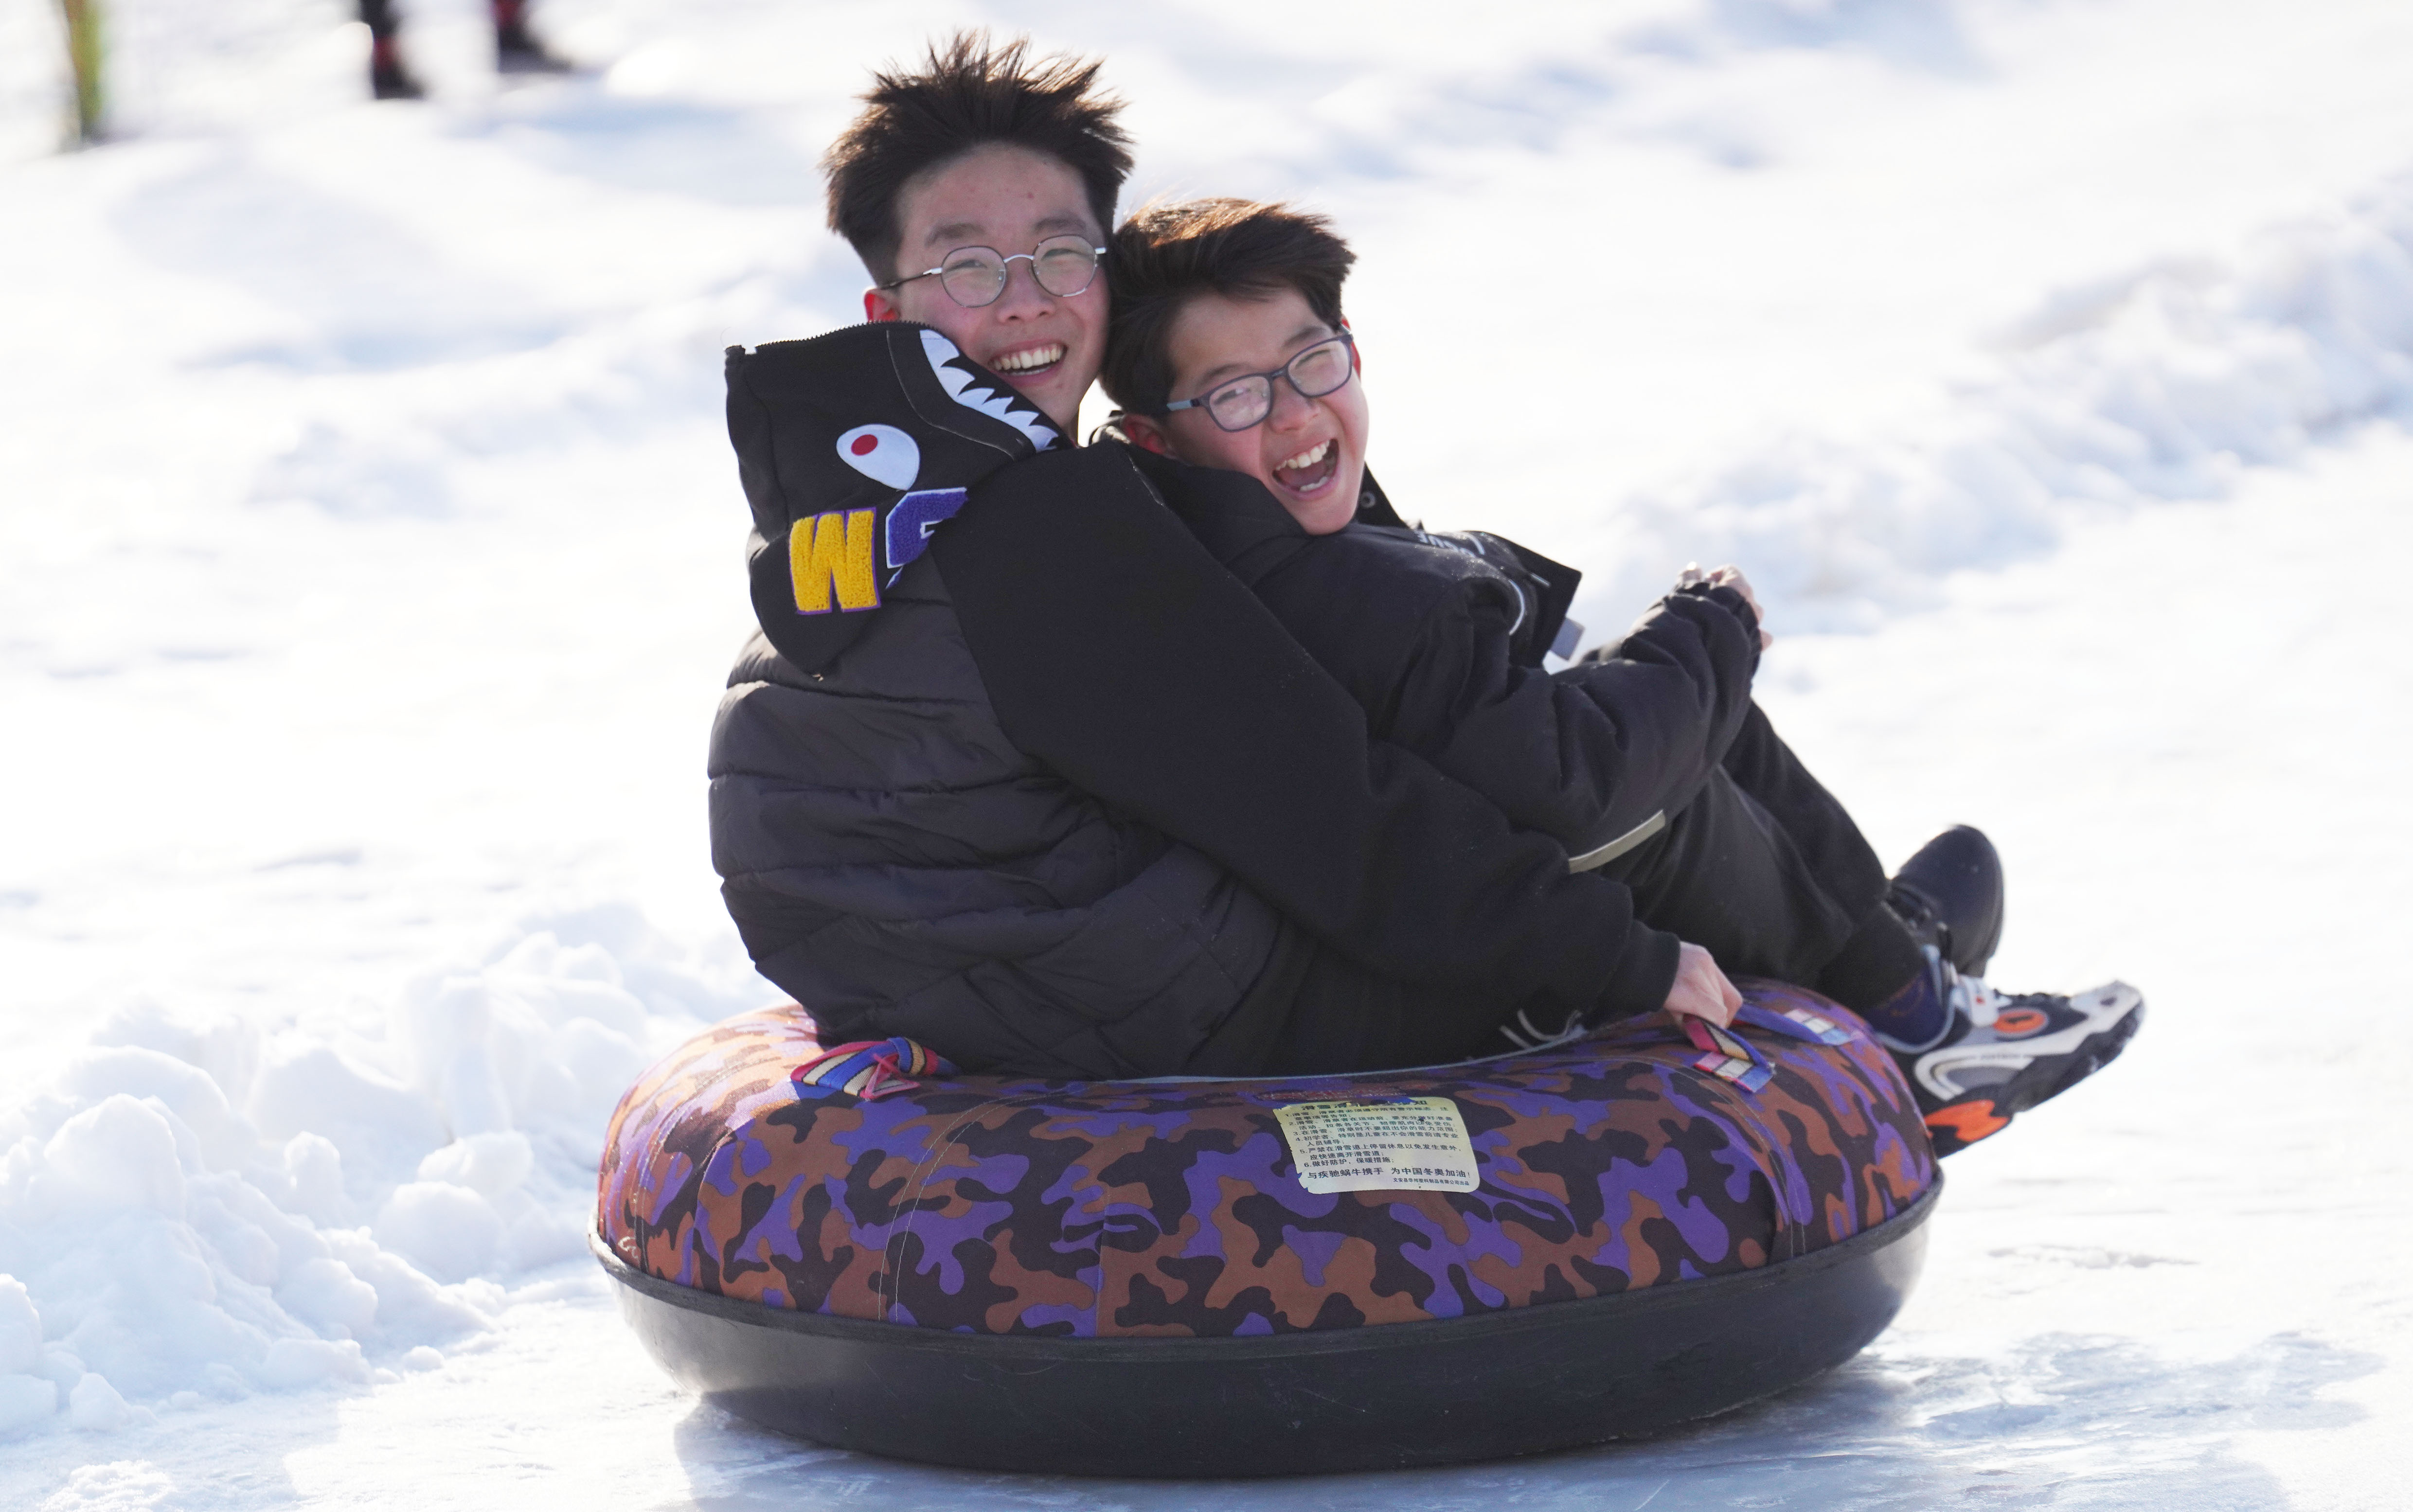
x: 1919, y: 914
x: 1971, y: 995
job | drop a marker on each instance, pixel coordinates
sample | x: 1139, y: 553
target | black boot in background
x: 516, y: 49
x: 387, y: 77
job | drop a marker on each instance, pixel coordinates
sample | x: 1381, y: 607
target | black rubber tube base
x: 1427, y: 1393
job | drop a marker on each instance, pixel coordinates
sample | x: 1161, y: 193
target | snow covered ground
x: 369, y: 560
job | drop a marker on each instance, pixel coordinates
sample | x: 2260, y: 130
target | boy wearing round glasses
x: 1016, y: 768
x: 1043, y: 328
x: 1648, y: 761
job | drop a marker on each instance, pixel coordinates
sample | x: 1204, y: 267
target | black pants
x: 1761, y: 865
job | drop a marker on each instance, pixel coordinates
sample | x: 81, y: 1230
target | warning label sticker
x: 1399, y: 1144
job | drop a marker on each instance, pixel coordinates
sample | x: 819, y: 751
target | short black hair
x: 1239, y: 248
x: 969, y: 94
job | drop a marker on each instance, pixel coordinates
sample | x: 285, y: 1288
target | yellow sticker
x: 1405, y: 1143
x: 834, y: 551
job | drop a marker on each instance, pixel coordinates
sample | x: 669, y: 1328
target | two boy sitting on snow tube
x: 1180, y: 752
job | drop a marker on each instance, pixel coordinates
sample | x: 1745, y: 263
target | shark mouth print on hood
x: 852, y: 448
x: 975, y: 388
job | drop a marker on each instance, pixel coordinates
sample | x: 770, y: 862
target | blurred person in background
x: 516, y: 49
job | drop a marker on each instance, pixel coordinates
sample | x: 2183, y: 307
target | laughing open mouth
x: 1311, y: 471
x: 1031, y: 361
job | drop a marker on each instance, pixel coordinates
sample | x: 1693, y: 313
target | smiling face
x: 1009, y: 198
x: 1310, y: 452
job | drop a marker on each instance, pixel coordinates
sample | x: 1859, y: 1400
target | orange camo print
x: 1964, y: 1123
x: 1170, y: 1208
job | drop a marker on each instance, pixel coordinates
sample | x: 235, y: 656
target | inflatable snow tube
x: 1135, y: 1278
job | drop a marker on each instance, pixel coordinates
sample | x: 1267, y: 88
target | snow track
x: 2157, y: 385
x: 370, y: 558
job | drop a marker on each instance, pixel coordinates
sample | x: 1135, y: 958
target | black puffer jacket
x: 895, y: 862
x: 1440, y: 639
x: 1053, y: 791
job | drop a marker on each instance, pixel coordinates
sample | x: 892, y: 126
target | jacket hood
x: 852, y: 448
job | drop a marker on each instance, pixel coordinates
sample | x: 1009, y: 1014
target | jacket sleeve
x: 1590, y: 754
x: 1114, y: 648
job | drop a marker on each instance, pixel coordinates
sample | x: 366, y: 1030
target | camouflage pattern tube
x: 1176, y: 1209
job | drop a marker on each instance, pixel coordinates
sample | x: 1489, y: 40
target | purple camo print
x: 1171, y: 1208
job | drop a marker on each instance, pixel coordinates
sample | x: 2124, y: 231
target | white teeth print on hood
x: 194, y: 1211
x: 963, y: 382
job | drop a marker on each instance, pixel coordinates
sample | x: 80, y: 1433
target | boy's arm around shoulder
x: 1115, y: 649
x: 1589, y: 754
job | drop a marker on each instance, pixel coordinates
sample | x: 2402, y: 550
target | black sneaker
x: 1951, y: 896
x: 2003, y: 1054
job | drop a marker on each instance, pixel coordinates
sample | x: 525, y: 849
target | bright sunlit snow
x: 371, y: 559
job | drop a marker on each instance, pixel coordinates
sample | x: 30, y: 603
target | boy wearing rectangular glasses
x: 1648, y: 761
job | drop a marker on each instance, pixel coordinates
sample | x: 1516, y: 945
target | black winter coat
x: 1439, y: 639
x: 1023, y: 773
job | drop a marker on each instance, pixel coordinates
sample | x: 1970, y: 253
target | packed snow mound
x: 2162, y: 384
x: 193, y: 1211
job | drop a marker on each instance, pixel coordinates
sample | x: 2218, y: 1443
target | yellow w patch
x: 833, y: 551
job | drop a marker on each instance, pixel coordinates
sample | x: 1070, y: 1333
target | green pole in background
x: 84, y: 56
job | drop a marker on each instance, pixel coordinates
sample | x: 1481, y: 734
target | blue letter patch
x: 912, y: 518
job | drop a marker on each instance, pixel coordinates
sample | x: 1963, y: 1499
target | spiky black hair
x: 970, y: 93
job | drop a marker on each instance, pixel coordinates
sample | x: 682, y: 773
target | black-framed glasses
x: 1237, y: 403
x: 975, y: 276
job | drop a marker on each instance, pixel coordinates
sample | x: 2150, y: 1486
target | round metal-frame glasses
x: 975, y: 276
